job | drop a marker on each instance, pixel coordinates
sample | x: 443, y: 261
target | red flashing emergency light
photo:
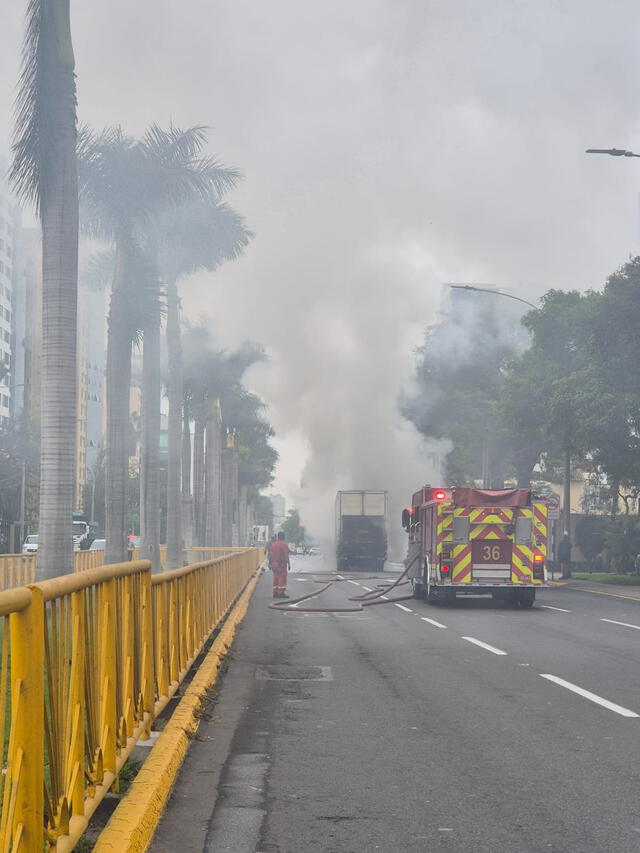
x: 445, y: 568
x: 439, y: 495
x: 538, y: 558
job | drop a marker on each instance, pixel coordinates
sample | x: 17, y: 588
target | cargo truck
x: 361, y: 531
x: 465, y: 541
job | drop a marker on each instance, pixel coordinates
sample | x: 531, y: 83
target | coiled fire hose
x: 366, y: 600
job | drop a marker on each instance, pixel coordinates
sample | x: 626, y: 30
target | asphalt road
x: 416, y: 728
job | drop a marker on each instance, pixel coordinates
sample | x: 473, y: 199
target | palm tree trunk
x: 213, y: 478
x: 175, y: 394
x: 198, y: 478
x: 59, y: 216
x: 117, y: 444
x: 150, y: 462
x: 187, y: 497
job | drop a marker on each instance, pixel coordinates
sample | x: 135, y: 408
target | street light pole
x: 495, y: 292
x: 612, y: 152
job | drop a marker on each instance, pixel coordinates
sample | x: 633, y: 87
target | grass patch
x: 606, y: 577
x: 128, y: 774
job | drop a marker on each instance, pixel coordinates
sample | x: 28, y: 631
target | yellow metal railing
x: 20, y: 569
x: 87, y: 662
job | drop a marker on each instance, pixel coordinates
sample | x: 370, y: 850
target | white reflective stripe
x: 484, y: 646
x: 592, y: 697
x: 624, y: 624
x: 433, y: 622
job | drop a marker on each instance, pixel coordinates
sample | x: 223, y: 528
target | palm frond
x: 97, y: 272
x: 201, y: 234
x: 46, y: 73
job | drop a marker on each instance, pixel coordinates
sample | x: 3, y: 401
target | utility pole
x: 23, y: 489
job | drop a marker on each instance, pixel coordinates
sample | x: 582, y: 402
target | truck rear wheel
x: 526, y: 597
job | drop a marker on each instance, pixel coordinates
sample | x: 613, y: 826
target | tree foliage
x: 292, y: 528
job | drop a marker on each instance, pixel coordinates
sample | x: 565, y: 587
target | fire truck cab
x: 466, y: 541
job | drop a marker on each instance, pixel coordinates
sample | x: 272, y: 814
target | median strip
x: 592, y: 697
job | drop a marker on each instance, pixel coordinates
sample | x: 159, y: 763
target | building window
x: 5, y: 401
x: 7, y: 337
x: 7, y: 315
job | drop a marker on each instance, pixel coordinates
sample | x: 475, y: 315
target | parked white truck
x: 361, y: 531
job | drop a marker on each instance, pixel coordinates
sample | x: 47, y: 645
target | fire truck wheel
x: 527, y: 597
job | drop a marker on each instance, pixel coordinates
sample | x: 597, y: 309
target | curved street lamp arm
x: 495, y: 293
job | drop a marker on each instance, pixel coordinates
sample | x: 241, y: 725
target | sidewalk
x: 617, y: 590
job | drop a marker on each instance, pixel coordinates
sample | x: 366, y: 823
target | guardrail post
x: 26, y: 752
x: 74, y: 777
x: 108, y: 722
x: 148, y: 688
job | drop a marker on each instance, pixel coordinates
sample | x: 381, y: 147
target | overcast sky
x: 388, y: 146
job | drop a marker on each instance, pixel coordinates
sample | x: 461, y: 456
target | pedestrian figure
x: 564, y: 557
x: 279, y: 558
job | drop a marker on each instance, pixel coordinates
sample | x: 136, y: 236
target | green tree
x: 44, y: 172
x: 292, y: 528
x: 460, y: 372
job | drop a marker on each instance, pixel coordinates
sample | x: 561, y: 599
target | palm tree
x: 124, y: 182
x: 212, y: 379
x: 44, y: 172
x: 199, y: 235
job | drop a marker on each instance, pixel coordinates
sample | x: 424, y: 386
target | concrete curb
x: 134, y: 821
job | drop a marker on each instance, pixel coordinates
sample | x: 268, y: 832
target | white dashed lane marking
x: 560, y: 609
x: 433, y: 622
x: 486, y: 646
x: 592, y: 697
x: 402, y: 607
x: 624, y: 624
x: 355, y: 583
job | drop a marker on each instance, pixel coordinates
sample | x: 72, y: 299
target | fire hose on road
x: 376, y: 596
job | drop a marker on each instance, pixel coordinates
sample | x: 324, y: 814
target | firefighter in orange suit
x: 279, y: 554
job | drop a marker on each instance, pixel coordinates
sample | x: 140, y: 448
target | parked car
x: 98, y: 545
x: 30, y: 544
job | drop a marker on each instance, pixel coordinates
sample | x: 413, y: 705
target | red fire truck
x: 465, y: 541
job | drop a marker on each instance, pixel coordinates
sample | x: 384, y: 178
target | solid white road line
x: 549, y: 607
x: 402, y: 607
x: 368, y: 588
x: 432, y: 622
x: 484, y: 645
x: 355, y: 583
x: 624, y: 624
x: 593, y: 697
